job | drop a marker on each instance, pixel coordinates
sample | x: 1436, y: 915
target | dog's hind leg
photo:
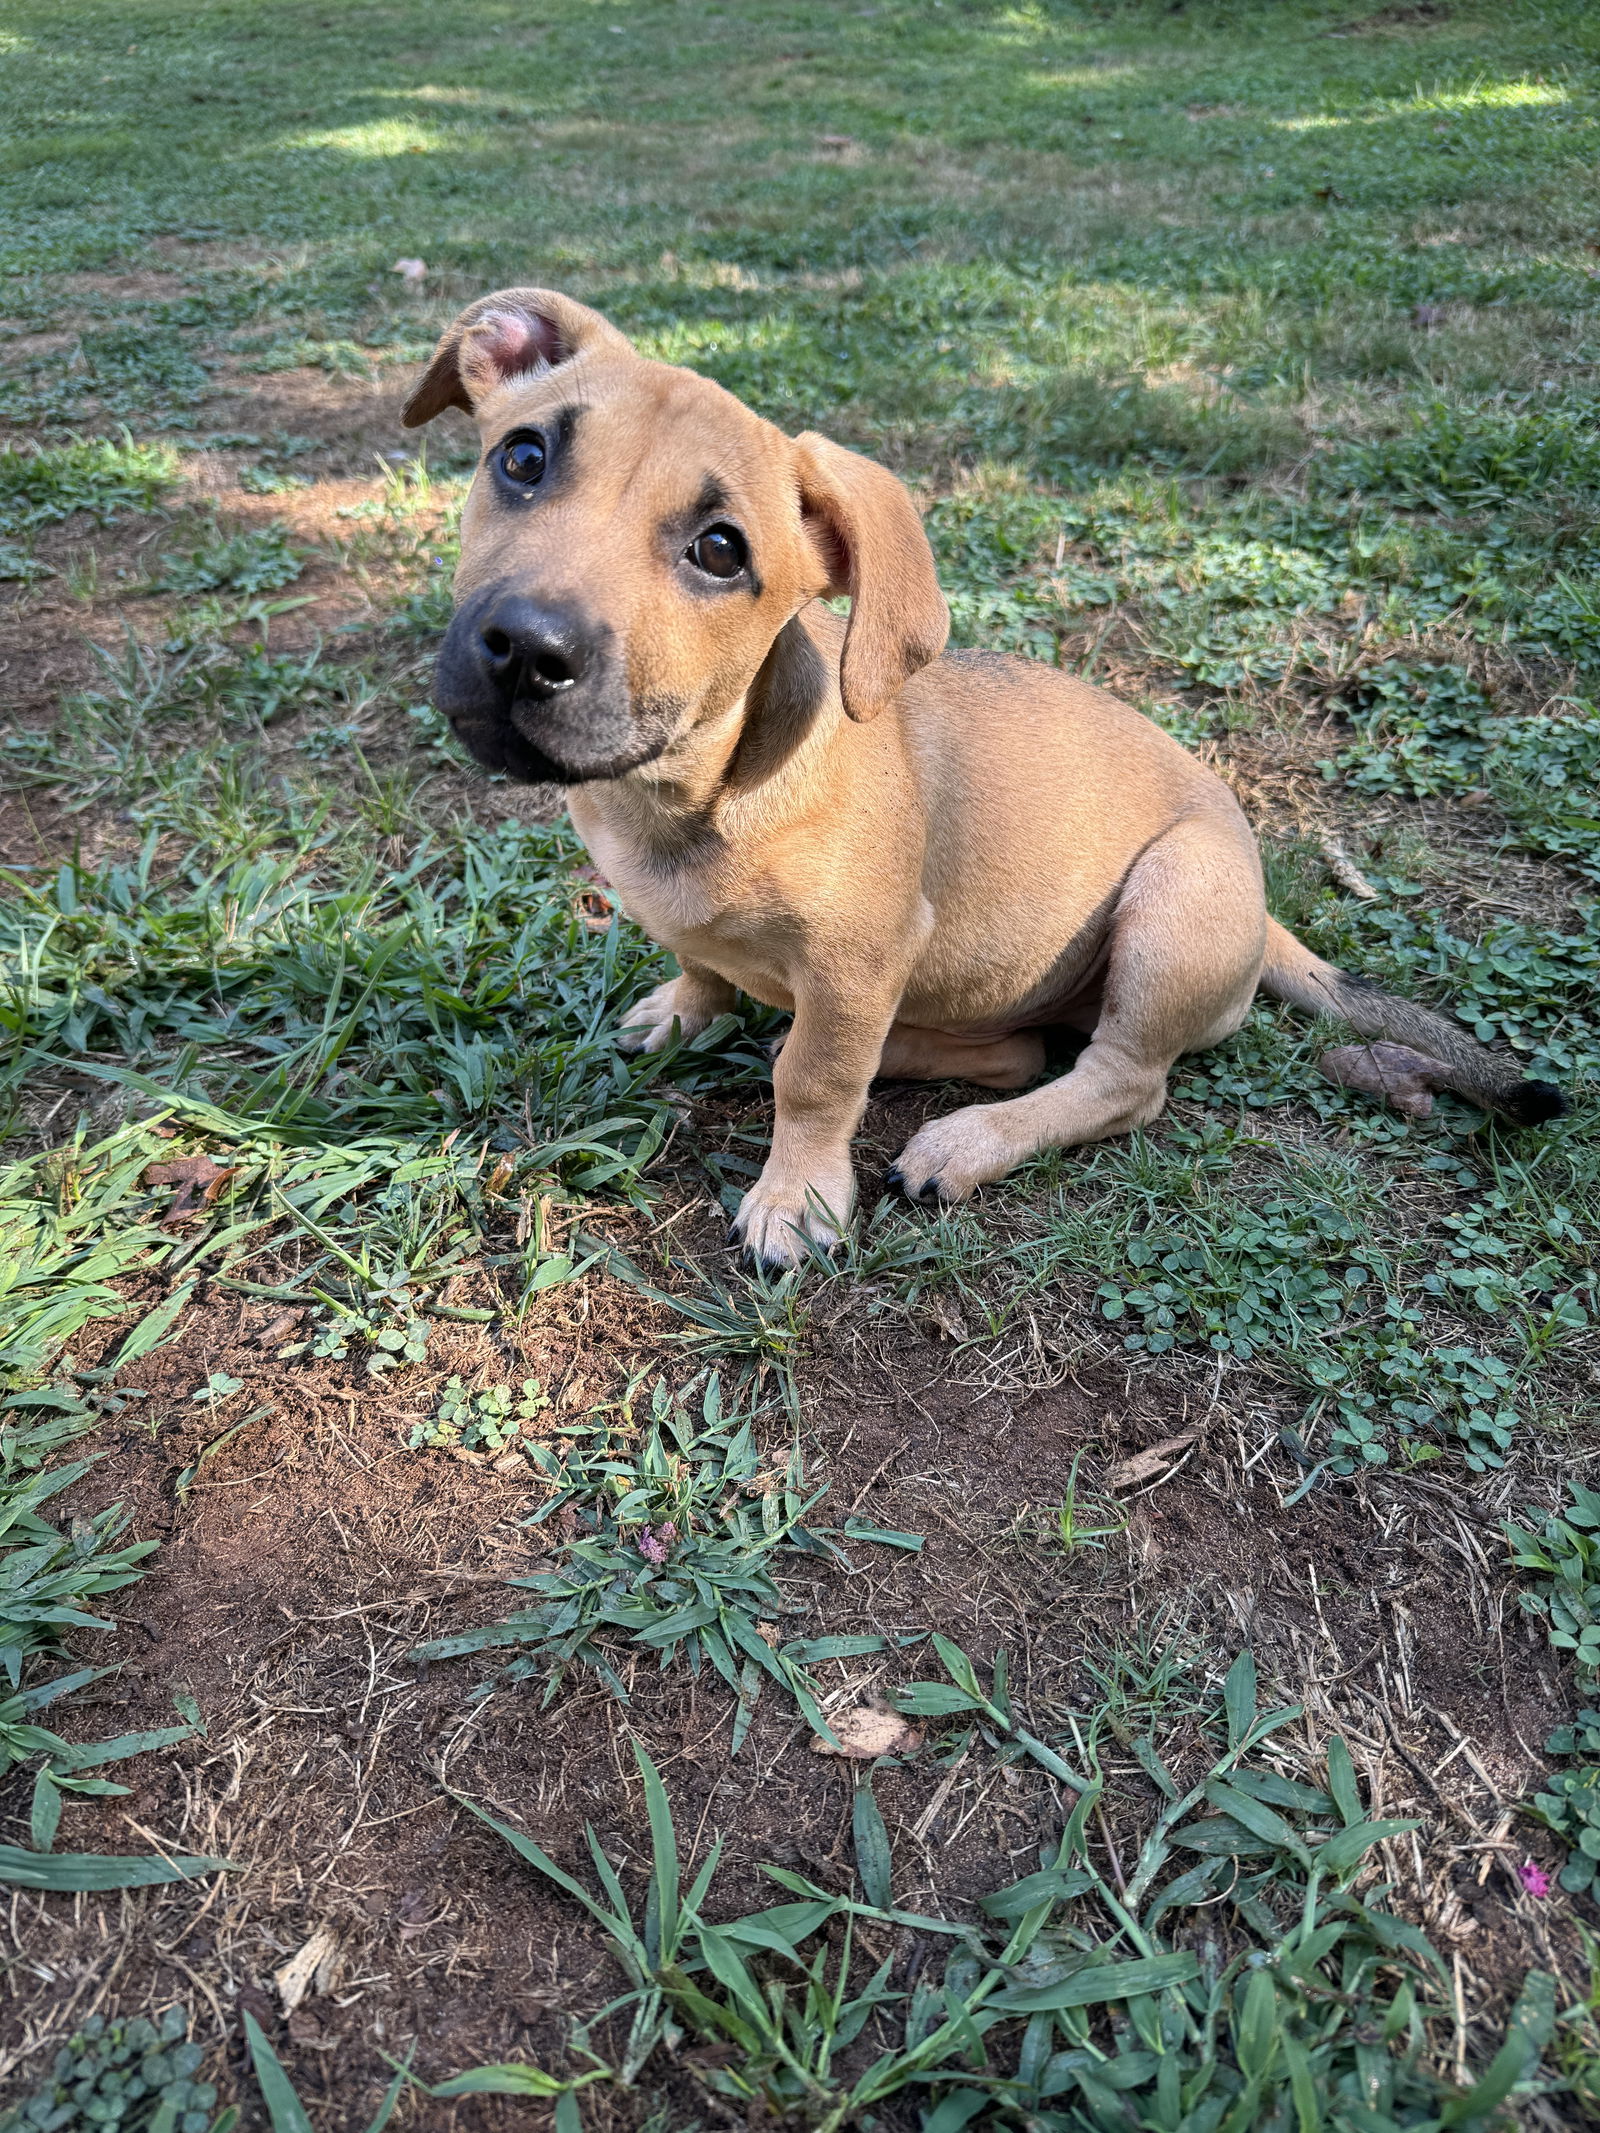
x: 1187, y: 938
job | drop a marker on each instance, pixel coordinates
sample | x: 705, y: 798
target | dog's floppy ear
x: 500, y: 337
x: 869, y: 540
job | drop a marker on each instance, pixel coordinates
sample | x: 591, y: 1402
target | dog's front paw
x: 649, y: 1023
x: 950, y: 1157
x: 778, y: 1216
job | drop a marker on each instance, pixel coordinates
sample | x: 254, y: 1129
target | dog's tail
x: 1491, y: 1078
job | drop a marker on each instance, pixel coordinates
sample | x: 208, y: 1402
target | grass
x: 680, y: 1532
x: 1064, y: 2005
x: 1242, y: 357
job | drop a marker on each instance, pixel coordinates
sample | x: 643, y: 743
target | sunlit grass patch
x: 98, y: 476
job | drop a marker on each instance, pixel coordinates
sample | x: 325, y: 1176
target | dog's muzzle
x: 536, y: 690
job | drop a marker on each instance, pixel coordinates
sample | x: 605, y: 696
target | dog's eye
x: 721, y: 552
x: 522, y: 459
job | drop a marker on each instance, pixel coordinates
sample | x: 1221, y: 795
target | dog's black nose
x: 530, y: 650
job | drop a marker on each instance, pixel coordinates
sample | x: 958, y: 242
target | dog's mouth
x: 500, y: 744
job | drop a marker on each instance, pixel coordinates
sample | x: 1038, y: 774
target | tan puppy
x: 927, y: 860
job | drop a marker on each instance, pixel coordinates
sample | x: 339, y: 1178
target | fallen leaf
x: 315, y: 1963
x: 417, y: 1914
x: 198, y: 1180
x: 593, y: 906
x: 868, y: 1731
x: 410, y: 271
x: 1149, y: 1465
x: 1404, y: 1079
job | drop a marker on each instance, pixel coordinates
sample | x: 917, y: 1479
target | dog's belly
x: 991, y: 980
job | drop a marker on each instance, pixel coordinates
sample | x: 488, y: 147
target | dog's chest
x: 689, y: 907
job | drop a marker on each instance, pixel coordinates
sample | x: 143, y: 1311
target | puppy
x: 926, y: 859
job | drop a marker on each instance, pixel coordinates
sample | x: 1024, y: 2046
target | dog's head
x: 634, y: 541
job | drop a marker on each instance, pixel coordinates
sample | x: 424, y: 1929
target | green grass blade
x: 619, y: 1927
x: 664, y: 1853
x: 284, y: 2107
x: 1239, y: 1698
x: 99, y: 1870
x: 874, y: 1861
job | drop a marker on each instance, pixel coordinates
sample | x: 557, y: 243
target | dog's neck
x: 750, y: 758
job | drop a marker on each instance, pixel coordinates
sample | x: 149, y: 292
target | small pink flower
x: 1533, y: 1878
x: 653, y: 1547
x: 668, y: 1532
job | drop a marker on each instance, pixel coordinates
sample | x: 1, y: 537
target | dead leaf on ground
x: 316, y: 1964
x: 593, y: 906
x: 417, y: 1914
x: 1404, y: 1079
x: 868, y: 1731
x: 1149, y: 1465
x: 198, y: 1180
x: 411, y: 271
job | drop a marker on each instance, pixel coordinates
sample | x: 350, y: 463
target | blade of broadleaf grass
x: 284, y: 2108
x: 96, y: 1870
x: 151, y: 1330
x: 1156, y: 1848
x: 1239, y: 1697
x: 661, y: 1904
x: 1533, y: 2020
x: 514, y: 2078
x: 933, y: 1699
x: 616, y: 1923
x: 1342, y: 1782
x: 1097, y: 1984
x: 874, y: 1859
x: 45, y: 1817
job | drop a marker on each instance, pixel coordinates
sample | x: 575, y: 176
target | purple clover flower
x: 1533, y: 1878
x: 655, y: 1546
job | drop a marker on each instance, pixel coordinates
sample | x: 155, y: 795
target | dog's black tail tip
x: 1532, y: 1103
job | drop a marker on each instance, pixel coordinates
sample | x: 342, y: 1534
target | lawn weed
x: 680, y: 1533
x: 1071, y: 1999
